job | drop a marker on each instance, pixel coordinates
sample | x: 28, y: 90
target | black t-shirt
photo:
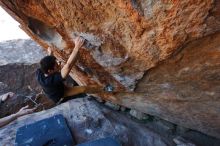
x: 52, y: 85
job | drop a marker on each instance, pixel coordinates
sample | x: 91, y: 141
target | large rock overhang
x: 144, y: 46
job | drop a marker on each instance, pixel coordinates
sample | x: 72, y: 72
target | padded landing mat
x: 52, y: 131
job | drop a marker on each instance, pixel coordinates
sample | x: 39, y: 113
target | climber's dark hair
x: 47, y: 63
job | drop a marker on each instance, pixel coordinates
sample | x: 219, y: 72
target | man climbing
x: 51, y: 78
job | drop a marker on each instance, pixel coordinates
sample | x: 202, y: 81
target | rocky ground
x: 87, y: 118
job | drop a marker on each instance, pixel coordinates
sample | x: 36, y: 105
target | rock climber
x: 51, y: 77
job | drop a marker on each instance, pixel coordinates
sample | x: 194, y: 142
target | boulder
x: 168, y: 50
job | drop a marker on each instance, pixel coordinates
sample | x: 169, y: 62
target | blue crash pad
x: 101, y: 142
x: 52, y: 131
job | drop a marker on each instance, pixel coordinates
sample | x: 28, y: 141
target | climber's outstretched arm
x: 72, y: 59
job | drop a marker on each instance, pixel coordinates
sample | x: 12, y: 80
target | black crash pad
x: 109, y: 141
x: 52, y: 131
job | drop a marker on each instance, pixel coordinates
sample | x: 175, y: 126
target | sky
x: 9, y: 28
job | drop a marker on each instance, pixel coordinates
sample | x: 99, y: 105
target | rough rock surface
x: 130, y: 45
x: 184, y: 89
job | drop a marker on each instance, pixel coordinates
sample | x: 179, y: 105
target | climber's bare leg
x: 70, y: 91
